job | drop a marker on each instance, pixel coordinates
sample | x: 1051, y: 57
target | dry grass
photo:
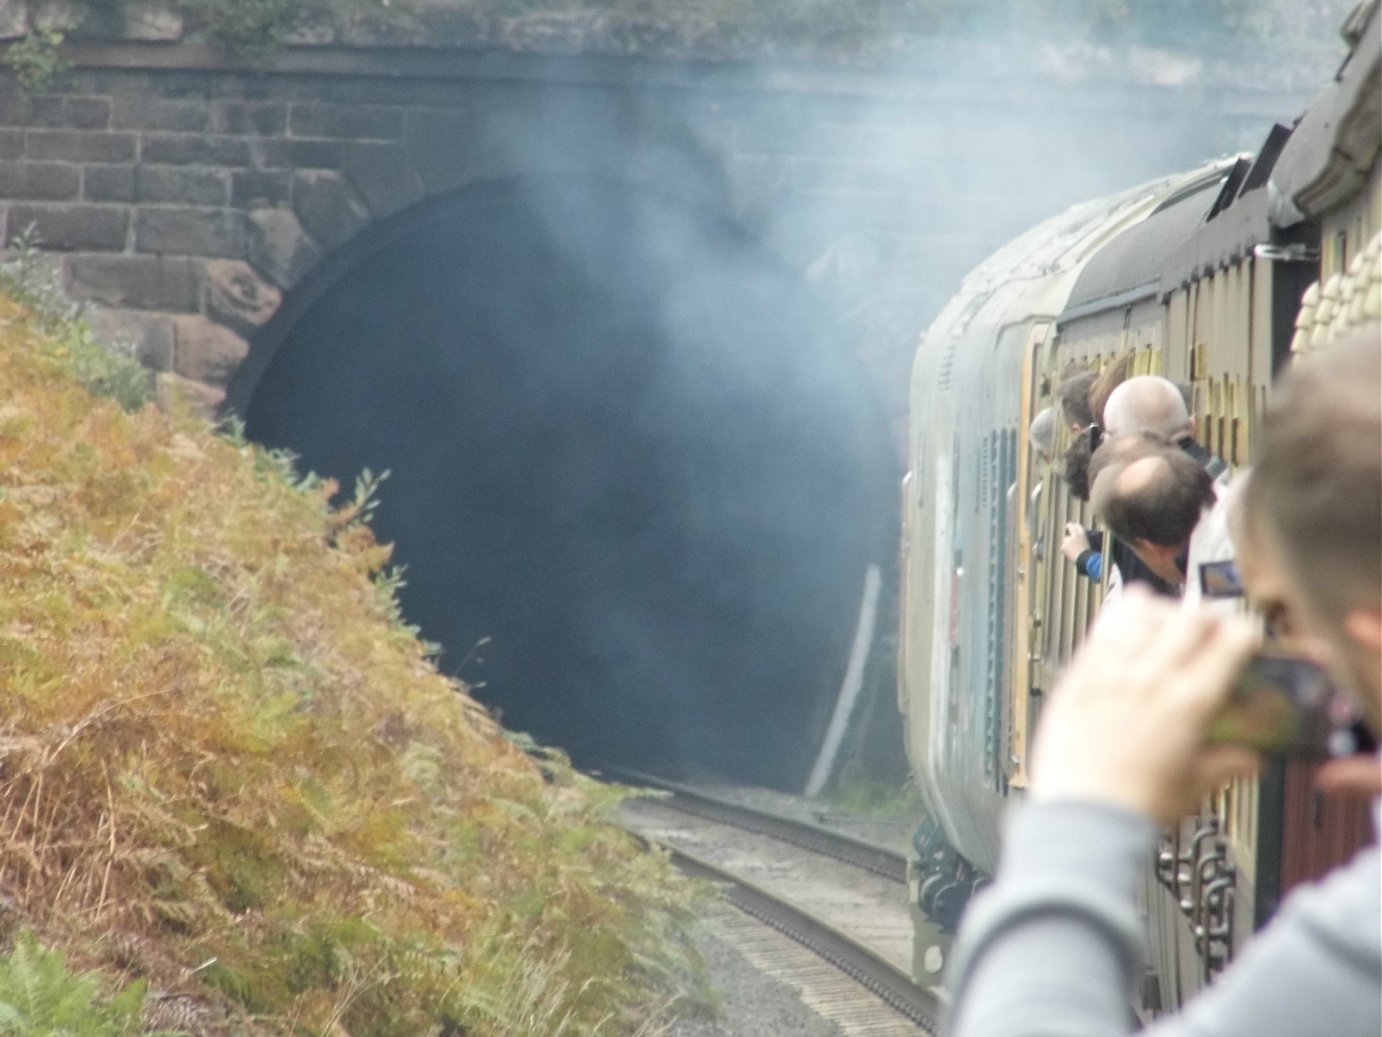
x: 227, y: 767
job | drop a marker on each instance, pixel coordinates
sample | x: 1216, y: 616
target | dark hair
x: 1076, y: 466
x: 1164, y: 508
x: 1074, y: 399
x: 1317, y: 484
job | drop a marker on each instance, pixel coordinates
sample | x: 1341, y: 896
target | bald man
x: 1145, y: 404
x: 1153, y: 502
x: 1085, y: 549
x: 1149, y: 403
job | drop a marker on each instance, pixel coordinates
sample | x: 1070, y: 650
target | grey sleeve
x: 1316, y: 969
x: 1053, y: 947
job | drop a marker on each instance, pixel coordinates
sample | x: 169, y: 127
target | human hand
x: 1076, y: 541
x: 1351, y: 775
x: 1127, y: 720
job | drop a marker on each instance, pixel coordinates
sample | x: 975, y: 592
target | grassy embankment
x: 228, y: 768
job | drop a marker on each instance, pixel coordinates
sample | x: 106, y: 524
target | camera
x: 1286, y: 705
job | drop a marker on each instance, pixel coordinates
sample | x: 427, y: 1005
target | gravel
x: 753, y: 1003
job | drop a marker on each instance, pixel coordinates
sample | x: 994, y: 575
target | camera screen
x: 1220, y: 580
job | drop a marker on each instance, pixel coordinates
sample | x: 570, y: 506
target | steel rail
x: 893, y: 986
x: 878, y: 860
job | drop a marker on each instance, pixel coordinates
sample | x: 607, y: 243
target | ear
x: 1193, y: 428
x: 1364, y: 627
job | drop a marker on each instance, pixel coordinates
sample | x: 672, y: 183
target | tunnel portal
x: 626, y: 445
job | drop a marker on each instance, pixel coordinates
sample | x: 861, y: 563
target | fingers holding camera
x: 1351, y: 776
x: 1126, y: 723
x: 1124, y: 638
x: 1208, y: 652
x: 1213, y: 768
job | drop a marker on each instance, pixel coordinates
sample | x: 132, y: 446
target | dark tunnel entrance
x: 626, y: 444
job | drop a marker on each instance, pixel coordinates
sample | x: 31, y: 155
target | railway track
x: 843, y: 899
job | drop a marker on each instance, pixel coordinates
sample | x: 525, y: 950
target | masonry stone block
x: 176, y: 394
x: 195, y: 149
x: 62, y: 15
x: 149, y: 335
x: 135, y: 282
x: 251, y: 118
x: 14, y: 19
x: 114, y: 183
x: 383, y: 175
x: 234, y: 295
x: 39, y: 180
x: 248, y: 86
x: 185, y: 85
x: 355, y: 122
x: 66, y: 227
x: 189, y: 231
x: 441, y: 144
x: 303, y: 154
x: 182, y: 185
x: 278, y: 247
x: 159, y: 114
x: 328, y: 208
x: 18, y: 109
x: 81, y: 146
x: 86, y: 113
x: 205, y: 351
x: 313, y: 32
x: 111, y: 82
x: 11, y: 143
x: 259, y: 189
x: 152, y: 21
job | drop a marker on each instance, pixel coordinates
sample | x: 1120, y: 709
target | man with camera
x: 1121, y: 750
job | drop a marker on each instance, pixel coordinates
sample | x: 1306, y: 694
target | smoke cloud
x: 644, y: 431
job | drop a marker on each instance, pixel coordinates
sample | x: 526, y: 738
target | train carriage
x: 968, y: 639
x: 1213, y: 279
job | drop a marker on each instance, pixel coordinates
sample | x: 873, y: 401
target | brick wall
x: 186, y: 195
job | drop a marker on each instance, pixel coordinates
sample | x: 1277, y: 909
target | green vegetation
x: 36, y: 59
x: 228, y: 770
x: 253, y: 26
x: 109, y: 370
x: 857, y: 793
x: 41, y: 997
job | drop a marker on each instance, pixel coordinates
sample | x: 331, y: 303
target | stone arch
x: 740, y: 464
x: 194, y: 285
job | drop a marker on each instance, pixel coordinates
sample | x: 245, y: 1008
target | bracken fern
x: 229, y: 769
x: 41, y: 997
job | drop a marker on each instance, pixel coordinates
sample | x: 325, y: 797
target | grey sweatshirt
x: 1052, y: 947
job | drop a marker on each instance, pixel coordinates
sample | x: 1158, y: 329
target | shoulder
x: 1212, y: 540
x: 1344, y: 909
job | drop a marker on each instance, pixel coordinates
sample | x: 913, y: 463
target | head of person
x: 1148, y: 403
x: 1074, y: 400
x: 1309, y: 528
x: 1041, y: 434
x: 1117, y: 451
x: 1153, y: 502
x: 1114, y: 374
x: 1076, y: 465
